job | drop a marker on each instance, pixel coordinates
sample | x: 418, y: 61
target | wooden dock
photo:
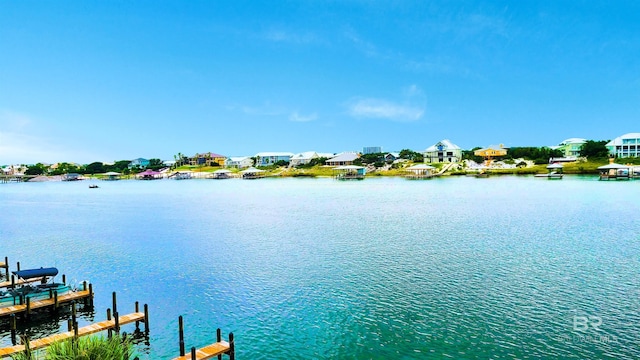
x: 53, y: 301
x: 207, y: 352
x: 83, y: 331
x: 218, y: 348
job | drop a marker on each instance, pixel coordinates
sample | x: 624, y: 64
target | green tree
x: 411, y: 155
x: 95, y: 168
x: 594, y: 149
x: 37, y: 169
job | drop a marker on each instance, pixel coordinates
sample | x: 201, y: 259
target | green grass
x: 84, y: 348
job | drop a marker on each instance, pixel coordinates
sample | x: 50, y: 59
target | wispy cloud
x: 280, y: 35
x: 11, y: 120
x: 410, y: 107
x: 384, y: 109
x: 296, y: 117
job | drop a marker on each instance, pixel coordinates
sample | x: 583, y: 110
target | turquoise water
x: 463, y: 268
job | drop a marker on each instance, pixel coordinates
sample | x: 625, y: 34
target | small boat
x: 44, y: 290
x: 93, y: 186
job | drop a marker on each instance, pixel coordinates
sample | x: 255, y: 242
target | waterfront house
x: 349, y: 172
x: 345, y: 158
x: 627, y: 145
x: 570, y: 147
x: 443, y: 152
x: 270, y: 158
x: 139, y: 162
x: 207, y: 159
x: 303, y: 158
x: 420, y: 171
x: 392, y: 156
x: 238, y: 162
x: 491, y: 151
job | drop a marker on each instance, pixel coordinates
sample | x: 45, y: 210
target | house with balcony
x: 570, y: 148
x: 627, y: 145
x: 443, y: 152
x: 207, y: 159
x: 270, y: 158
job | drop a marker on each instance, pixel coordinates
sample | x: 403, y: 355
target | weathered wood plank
x: 83, y: 331
x: 37, y: 304
x: 208, y: 352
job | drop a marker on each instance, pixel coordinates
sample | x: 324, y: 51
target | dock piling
x: 109, y: 332
x: 114, y: 308
x: 232, y: 347
x: 90, y: 295
x: 116, y: 319
x: 219, y: 339
x: 193, y: 352
x: 28, y: 314
x: 13, y: 329
x: 146, y: 320
x: 181, y: 335
x: 6, y: 267
x: 64, y: 279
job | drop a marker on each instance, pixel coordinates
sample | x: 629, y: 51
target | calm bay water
x: 463, y: 268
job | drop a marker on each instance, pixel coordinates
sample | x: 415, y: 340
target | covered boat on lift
x: 33, y: 290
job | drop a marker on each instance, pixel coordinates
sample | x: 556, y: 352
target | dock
x: 53, y: 301
x: 111, y: 324
x: 219, y: 348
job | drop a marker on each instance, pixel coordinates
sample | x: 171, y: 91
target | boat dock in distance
x: 53, y: 301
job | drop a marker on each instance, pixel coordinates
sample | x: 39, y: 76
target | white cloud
x: 295, y: 117
x: 277, y: 35
x: 384, y: 109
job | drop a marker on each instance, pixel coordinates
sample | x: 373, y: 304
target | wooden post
x: 64, y: 279
x: 55, y: 300
x: 6, y: 267
x: 181, y: 335
x: 219, y: 339
x: 115, y: 305
x: 69, y: 325
x: 84, y: 285
x: 193, y: 353
x: 13, y: 282
x: 13, y: 328
x: 91, y: 295
x: 109, y: 332
x: 232, y: 347
x: 116, y: 318
x: 137, y: 309
x: 28, y: 306
x: 146, y: 319
x: 18, y: 266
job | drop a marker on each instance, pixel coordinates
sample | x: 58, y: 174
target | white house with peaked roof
x: 443, y: 152
x: 238, y: 162
x: 627, y: 145
x: 343, y: 159
x: 303, y: 158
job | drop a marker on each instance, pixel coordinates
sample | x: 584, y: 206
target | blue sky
x: 90, y: 81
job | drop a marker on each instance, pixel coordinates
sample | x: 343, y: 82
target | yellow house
x: 207, y: 159
x: 491, y: 151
